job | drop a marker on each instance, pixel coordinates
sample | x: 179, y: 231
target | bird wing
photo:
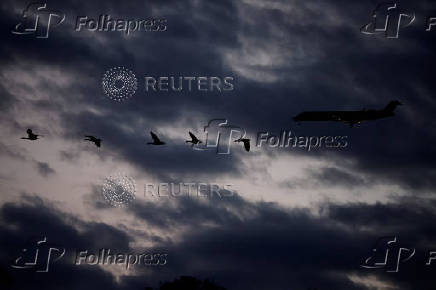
x: 154, y: 136
x: 193, y: 137
x: 247, y: 145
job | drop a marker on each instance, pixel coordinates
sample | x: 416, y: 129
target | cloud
x: 286, y: 57
x: 44, y: 169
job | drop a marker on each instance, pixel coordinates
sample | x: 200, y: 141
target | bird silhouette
x: 246, y: 143
x: 30, y: 135
x: 194, y: 140
x: 156, y: 140
x: 93, y: 139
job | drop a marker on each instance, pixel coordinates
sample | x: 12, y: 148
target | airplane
x: 30, y: 135
x: 349, y: 117
x: 93, y: 139
x: 156, y: 140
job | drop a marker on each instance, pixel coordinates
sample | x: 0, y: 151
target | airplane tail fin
x: 390, y: 108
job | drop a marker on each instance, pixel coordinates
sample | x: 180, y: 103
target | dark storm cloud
x: 44, y: 169
x: 18, y: 226
x: 163, y: 213
x: 34, y: 218
x: 221, y: 252
x: 160, y: 161
x: 263, y: 246
x: 87, y: 61
x: 413, y: 216
x: 340, y: 52
x: 68, y: 156
x: 328, y: 65
x: 241, y: 245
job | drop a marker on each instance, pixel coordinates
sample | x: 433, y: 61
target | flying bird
x: 156, y: 140
x: 93, y: 139
x: 194, y: 140
x: 30, y: 135
x: 246, y: 143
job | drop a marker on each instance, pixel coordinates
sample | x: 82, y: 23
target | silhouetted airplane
x: 93, y: 139
x: 349, y: 117
x: 194, y: 140
x: 30, y: 135
x: 246, y: 143
x: 156, y: 140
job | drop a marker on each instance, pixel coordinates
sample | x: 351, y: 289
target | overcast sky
x: 297, y: 219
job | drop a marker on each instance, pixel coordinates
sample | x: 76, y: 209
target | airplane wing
x: 319, y: 116
x: 338, y: 116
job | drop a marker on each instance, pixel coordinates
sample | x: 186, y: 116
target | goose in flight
x: 194, y: 140
x: 30, y: 135
x: 93, y: 139
x: 156, y: 140
x: 246, y: 143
